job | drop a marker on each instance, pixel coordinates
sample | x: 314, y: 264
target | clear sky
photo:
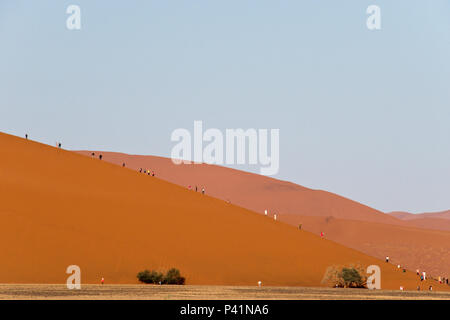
x: 365, y: 114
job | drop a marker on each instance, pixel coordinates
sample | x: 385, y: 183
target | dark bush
x: 172, y: 276
x: 352, y: 278
x: 150, y: 276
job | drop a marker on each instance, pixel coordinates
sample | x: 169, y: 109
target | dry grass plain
x: 154, y: 292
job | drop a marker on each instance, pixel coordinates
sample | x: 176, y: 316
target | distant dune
x: 252, y: 191
x: 60, y: 208
x: 432, y: 220
x: 413, y: 248
x: 410, y: 216
x: 425, y: 249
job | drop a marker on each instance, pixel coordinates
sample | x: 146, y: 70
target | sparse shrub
x: 150, y: 276
x: 352, y: 276
x: 172, y: 276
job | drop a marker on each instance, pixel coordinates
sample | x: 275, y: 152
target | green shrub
x: 172, y: 276
x: 150, y: 276
x: 341, y: 276
x: 351, y: 278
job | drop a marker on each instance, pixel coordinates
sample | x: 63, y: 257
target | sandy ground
x: 153, y: 292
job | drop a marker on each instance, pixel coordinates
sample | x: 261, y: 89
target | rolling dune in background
x: 423, y: 243
x: 417, y: 216
x: 59, y: 208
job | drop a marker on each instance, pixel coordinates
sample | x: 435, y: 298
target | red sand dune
x: 60, y: 208
x: 410, y: 216
x: 415, y: 248
x: 432, y: 220
x: 252, y: 191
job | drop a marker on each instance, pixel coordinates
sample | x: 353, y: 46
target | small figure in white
x: 275, y: 217
x: 259, y: 283
x: 265, y: 212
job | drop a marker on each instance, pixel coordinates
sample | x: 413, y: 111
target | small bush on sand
x: 150, y: 276
x: 172, y: 276
x: 352, y: 276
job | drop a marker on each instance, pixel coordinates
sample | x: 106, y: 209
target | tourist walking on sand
x: 387, y: 259
x: 322, y: 234
x: 103, y: 280
x: 100, y: 157
x: 26, y: 136
x: 424, y: 275
x: 203, y: 190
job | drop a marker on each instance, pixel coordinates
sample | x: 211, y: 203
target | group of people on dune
x: 145, y: 171
x: 422, y: 275
x: 99, y: 156
x: 196, y: 189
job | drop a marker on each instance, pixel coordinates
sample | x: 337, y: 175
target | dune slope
x: 252, y: 191
x: 416, y: 216
x: 413, y: 248
x: 387, y: 236
x: 60, y: 208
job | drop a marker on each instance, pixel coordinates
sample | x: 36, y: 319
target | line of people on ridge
x: 422, y: 275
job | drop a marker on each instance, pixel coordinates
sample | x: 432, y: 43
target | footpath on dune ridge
x: 412, y: 244
x: 59, y: 208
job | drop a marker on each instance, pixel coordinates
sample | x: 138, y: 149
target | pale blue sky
x: 365, y: 114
